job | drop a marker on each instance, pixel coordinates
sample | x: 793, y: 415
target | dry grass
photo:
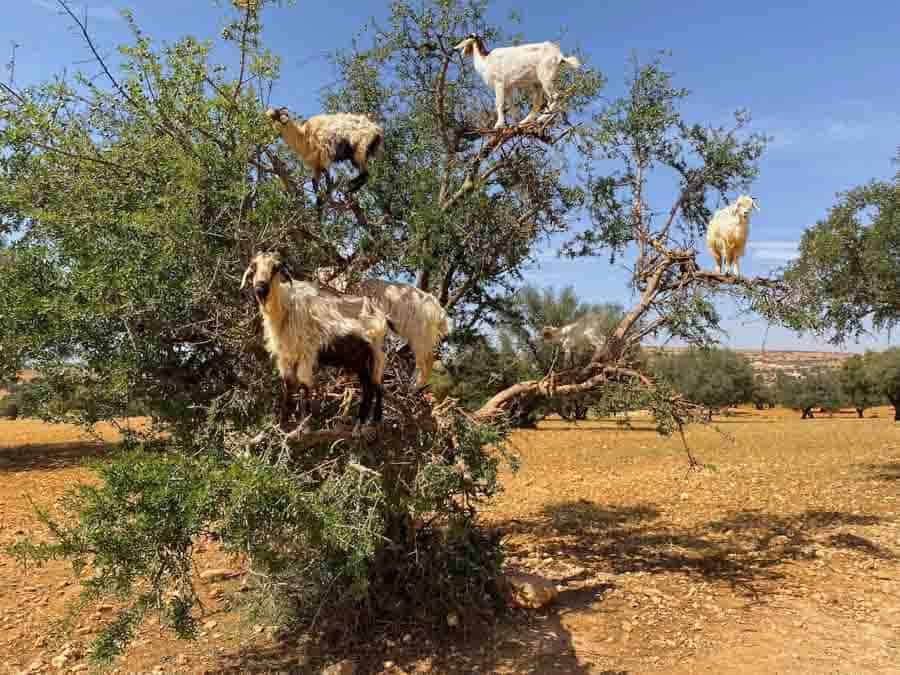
x: 782, y: 556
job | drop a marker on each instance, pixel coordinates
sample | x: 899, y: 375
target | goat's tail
x: 572, y: 61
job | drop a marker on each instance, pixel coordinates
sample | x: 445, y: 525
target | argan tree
x: 138, y: 193
x: 847, y: 277
x: 639, y: 138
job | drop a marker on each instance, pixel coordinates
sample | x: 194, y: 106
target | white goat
x: 304, y: 329
x: 531, y: 67
x: 323, y: 140
x: 726, y: 235
x: 416, y: 316
x: 587, y: 332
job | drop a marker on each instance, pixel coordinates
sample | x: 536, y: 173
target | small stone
x: 345, y: 667
x: 627, y: 627
x: 685, y: 496
x: 453, y: 619
x: 388, y: 665
x: 257, y: 629
x: 407, y: 638
x: 529, y: 590
x: 59, y: 662
x: 779, y: 542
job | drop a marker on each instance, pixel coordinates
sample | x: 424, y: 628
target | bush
x: 817, y: 388
x: 715, y: 378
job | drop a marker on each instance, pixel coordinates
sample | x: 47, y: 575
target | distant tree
x: 818, y: 388
x: 860, y: 383
x: 715, y: 378
x: 885, y: 369
x: 763, y: 395
x: 848, y: 271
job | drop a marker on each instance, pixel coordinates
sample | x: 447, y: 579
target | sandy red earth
x: 780, y: 557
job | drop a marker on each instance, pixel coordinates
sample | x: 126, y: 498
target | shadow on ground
x: 743, y: 548
x: 50, y: 456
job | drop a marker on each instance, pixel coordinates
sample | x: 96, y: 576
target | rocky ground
x: 780, y: 556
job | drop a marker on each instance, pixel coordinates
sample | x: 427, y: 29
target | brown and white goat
x: 305, y: 329
x: 323, y: 140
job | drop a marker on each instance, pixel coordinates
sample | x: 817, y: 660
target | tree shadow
x: 519, y: 642
x: 588, y: 544
x: 742, y: 549
x: 51, y: 456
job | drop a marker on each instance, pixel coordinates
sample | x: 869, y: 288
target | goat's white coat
x: 318, y: 140
x: 531, y: 67
x: 727, y: 233
x: 299, y: 321
x: 587, y: 332
x: 417, y: 317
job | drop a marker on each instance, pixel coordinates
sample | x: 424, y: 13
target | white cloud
x: 774, y: 251
x: 94, y: 12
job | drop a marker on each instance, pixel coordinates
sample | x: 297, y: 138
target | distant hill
x: 769, y: 362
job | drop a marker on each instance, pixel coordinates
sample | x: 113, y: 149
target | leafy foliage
x: 715, y: 378
x: 860, y: 382
x: 885, y: 370
x: 816, y: 388
x: 848, y: 271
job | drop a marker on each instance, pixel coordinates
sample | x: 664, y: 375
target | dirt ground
x: 780, y: 557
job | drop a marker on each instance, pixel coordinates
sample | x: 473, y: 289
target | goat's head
x: 550, y: 333
x: 265, y: 270
x: 745, y: 204
x: 472, y: 43
x: 278, y: 115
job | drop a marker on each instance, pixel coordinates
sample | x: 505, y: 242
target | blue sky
x: 821, y: 78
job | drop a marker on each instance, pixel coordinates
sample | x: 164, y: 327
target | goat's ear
x: 247, y: 274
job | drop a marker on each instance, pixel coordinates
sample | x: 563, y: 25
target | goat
x: 305, y: 329
x: 587, y: 332
x: 532, y: 66
x: 726, y: 235
x: 323, y: 140
x: 417, y: 316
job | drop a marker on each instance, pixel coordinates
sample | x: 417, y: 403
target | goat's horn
x: 244, y: 280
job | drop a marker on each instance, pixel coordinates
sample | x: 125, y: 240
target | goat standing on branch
x: 417, y: 315
x: 531, y: 67
x: 304, y: 329
x: 588, y: 333
x: 323, y: 140
x: 726, y: 236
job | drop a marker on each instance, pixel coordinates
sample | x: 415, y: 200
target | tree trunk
x: 860, y: 411
x: 808, y: 414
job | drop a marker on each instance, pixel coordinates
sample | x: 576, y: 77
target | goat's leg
x: 365, y: 405
x: 359, y: 181
x: 378, y: 412
x: 717, y: 256
x: 537, y: 102
x: 288, y: 401
x: 500, y: 100
x: 304, y: 402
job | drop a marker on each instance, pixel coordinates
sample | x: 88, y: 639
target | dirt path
x: 782, y: 557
